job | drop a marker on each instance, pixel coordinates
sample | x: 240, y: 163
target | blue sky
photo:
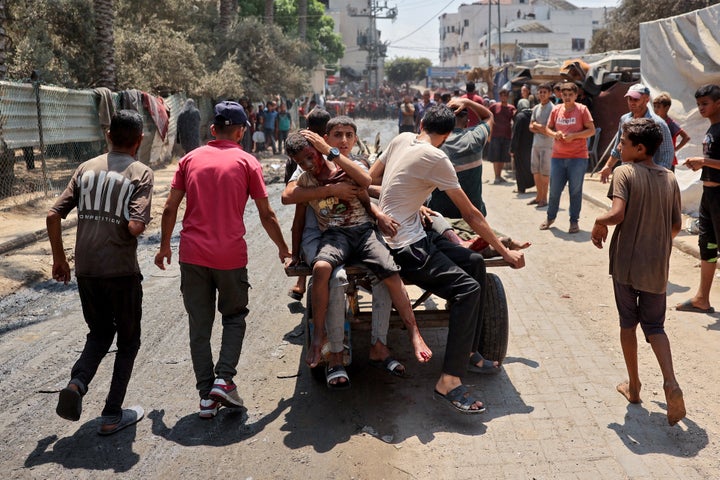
x: 415, y: 30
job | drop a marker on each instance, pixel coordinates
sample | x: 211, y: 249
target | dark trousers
x: 199, y: 286
x: 456, y: 274
x: 270, y: 138
x: 110, y: 306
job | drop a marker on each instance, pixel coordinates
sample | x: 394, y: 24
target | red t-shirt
x: 571, y: 121
x: 473, y: 119
x: 502, y: 128
x: 217, y: 180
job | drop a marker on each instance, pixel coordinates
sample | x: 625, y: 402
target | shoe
x: 208, y: 408
x: 533, y: 202
x: 129, y: 416
x: 541, y: 205
x: 69, y: 404
x: 225, y: 392
x: 500, y: 181
x: 574, y: 227
x: 546, y: 224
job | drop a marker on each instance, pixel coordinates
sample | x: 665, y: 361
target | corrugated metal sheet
x: 68, y: 116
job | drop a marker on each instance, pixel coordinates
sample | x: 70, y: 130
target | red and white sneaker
x: 225, y: 392
x: 208, y: 408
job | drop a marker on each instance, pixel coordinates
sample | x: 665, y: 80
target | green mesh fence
x: 46, y: 132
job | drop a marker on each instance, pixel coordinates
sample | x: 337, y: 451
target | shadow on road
x: 648, y: 432
x: 229, y: 427
x: 85, y: 450
x: 390, y: 408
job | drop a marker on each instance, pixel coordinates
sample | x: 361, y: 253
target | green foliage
x: 157, y: 59
x: 270, y: 61
x: 165, y: 46
x: 623, y: 28
x: 54, y: 37
x: 325, y: 44
x: 406, y: 70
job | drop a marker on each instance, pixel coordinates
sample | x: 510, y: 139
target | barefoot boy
x: 646, y: 210
x: 349, y: 234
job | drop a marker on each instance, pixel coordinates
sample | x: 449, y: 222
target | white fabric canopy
x: 679, y: 54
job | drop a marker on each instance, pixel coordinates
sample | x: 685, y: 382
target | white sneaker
x: 208, y: 408
x: 225, y: 392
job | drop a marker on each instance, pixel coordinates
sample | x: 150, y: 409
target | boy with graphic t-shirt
x: 348, y: 234
x: 112, y: 193
x: 708, y: 102
x: 646, y: 212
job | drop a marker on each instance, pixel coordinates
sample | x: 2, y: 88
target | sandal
x: 488, y: 366
x: 297, y: 296
x: 389, y: 365
x: 459, y: 399
x: 336, y: 373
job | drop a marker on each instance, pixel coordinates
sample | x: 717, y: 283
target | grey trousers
x: 199, y: 286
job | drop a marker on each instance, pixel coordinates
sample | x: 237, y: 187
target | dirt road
x: 552, y: 413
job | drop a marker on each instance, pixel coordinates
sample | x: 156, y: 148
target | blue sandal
x: 488, y: 366
x: 459, y: 399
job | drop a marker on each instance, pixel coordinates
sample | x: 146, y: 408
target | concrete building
x: 365, y: 52
x: 528, y: 30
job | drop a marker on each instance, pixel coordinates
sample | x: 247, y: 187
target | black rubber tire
x: 318, y: 373
x: 496, y: 326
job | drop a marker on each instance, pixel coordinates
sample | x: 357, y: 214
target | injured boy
x: 349, y: 235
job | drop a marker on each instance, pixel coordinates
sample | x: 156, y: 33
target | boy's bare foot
x: 314, y: 355
x: 632, y: 394
x: 675, y: 403
x: 422, y: 351
x: 513, y: 245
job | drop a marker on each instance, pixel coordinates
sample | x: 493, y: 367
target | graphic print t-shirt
x: 108, y: 191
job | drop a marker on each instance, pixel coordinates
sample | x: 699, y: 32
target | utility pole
x: 370, y: 39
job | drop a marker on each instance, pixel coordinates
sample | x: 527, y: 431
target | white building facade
x: 355, y: 21
x: 528, y: 30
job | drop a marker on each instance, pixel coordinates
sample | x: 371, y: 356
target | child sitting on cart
x: 349, y: 235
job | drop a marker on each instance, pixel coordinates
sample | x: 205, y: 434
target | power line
x: 428, y: 21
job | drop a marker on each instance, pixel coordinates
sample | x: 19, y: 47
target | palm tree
x: 302, y: 18
x: 269, y: 11
x: 105, y: 42
x: 228, y: 11
x: 4, y: 40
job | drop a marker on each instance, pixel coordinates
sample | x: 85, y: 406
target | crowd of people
x: 429, y: 175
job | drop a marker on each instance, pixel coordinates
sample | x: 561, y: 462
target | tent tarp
x: 679, y: 54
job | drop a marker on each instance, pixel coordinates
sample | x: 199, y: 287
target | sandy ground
x: 552, y: 413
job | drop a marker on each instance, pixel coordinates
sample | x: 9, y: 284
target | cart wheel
x: 495, y: 327
x: 318, y: 373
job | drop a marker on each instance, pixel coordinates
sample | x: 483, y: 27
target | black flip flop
x: 130, y: 416
x: 297, y: 296
x: 69, y: 404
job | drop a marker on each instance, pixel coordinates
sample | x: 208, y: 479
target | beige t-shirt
x: 333, y: 211
x: 413, y: 169
x: 641, y: 245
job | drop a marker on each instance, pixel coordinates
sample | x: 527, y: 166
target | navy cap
x: 230, y: 113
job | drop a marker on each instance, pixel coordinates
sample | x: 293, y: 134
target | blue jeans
x: 564, y: 171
